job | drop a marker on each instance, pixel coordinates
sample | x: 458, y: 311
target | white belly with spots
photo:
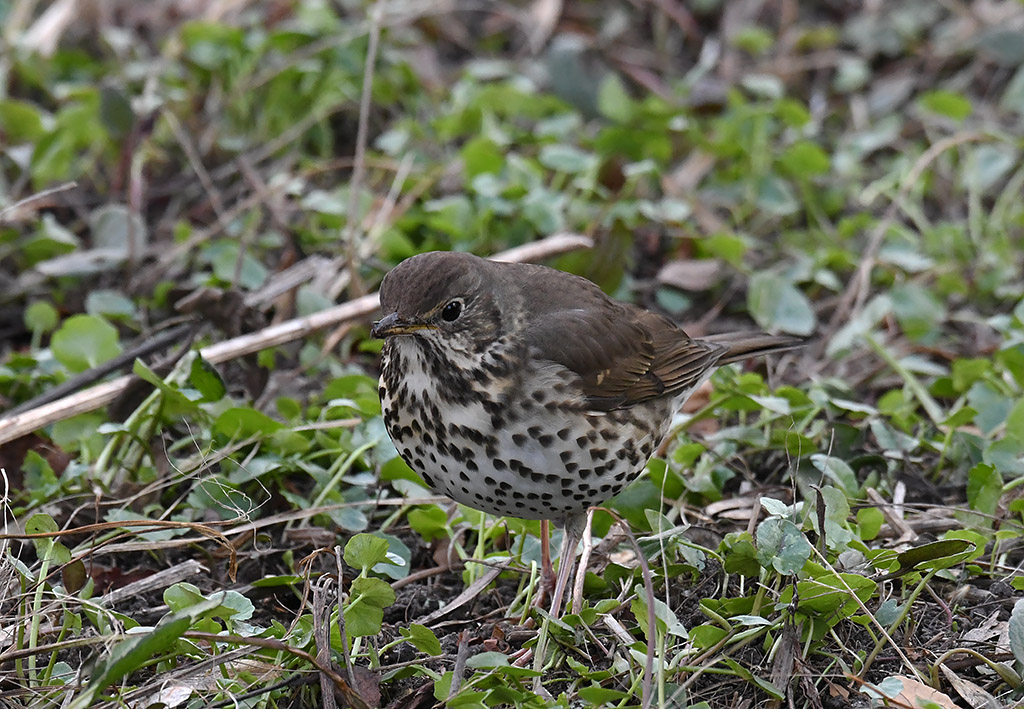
x: 545, y: 460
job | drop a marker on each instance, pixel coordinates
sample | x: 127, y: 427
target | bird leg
x: 547, y: 573
x: 571, y: 534
x: 581, y: 572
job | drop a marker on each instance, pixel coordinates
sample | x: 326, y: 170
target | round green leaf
x: 41, y: 316
x: 84, y: 341
x: 782, y: 546
x: 776, y: 304
x: 364, y: 551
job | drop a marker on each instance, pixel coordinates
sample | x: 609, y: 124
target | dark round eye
x: 452, y: 311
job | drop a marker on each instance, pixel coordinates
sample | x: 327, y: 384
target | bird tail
x: 744, y: 345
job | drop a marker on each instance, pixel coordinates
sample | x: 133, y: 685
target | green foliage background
x: 851, y: 174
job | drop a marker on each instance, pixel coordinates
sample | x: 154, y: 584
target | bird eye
x: 452, y: 311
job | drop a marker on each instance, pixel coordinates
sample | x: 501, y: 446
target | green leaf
x: 740, y: 555
x: 918, y: 311
x: 206, y: 379
x: 776, y: 304
x: 825, y: 594
x: 481, y: 156
x: 242, y: 422
x: 110, y: 303
x: 1007, y: 455
x: 598, y: 696
x: 935, y: 555
x: 20, y: 122
x: 1013, y: 96
x: 182, y: 595
x: 753, y: 39
x: 764, y: 685
x: 665, y: 620
x: 169, y: 392
x: 47, y: 547
x: 805, y: 159
x: 118, y: 228
x: 613, y: 101
x: 40, y: 480
x: 992, y: 407
x: 782, y: 546
x: 116, y: 112
x: 422, y: 638
x: 85, y: 341
x: 984, y: 488
x: 487, y: 660
x: 1016, y: 630
x: 368, y: 597
x: 967, y: 371
x: 41, y: 316
x: 566, y: 158
x: 430, y: 522
x: 1015, y: 421
x: 775, y: 196
x: 869, y: 522
x: 837, y: 509
x: 364, y: 551
x: 946, y: 103
x: 705, y: 636
x: 987, y: 164
x: 728, y: 247
x: 838, y: 471
x: 1003, y: 44
x: 544, y: 210
x: 140, y: 650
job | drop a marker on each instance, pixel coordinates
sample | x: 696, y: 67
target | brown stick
x: 13, y: 427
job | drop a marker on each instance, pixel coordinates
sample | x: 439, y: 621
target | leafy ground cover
x: 841, y: 527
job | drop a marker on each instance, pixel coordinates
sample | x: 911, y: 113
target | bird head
x: 448, y: 298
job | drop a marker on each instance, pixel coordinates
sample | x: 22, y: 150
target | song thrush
x: 521, y: 390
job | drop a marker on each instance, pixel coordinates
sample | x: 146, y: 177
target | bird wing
x: 623, y: 355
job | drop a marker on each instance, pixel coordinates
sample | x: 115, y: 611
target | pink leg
x: 571, y: 535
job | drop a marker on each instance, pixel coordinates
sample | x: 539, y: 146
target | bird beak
x: 391, y: 324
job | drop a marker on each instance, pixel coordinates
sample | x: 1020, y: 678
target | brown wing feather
x: 622, y: 354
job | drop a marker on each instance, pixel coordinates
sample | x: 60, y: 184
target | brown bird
x: 525, y: 391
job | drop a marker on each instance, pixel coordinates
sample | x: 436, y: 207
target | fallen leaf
x: 692, y: 275
x: 915, y: 693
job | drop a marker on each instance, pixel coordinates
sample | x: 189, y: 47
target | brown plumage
x: 623, y: 355
x: 522, y: 390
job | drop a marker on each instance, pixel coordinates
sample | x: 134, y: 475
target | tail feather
x: 744, y: 345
